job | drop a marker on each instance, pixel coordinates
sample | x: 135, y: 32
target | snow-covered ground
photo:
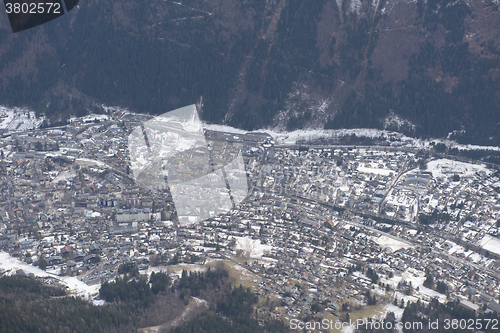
x: 476, y: 257
x: 416, y: 278
x: 90, y: 118
x: 10, y: 265
x: 490, y: 243
x: 64, y: 175
x: 455, y: 248
x: 176, y: 269
x: 445, y: 167
x: 311, y: 134
x: 393, y: 120
x: 398, y: 313
x: 87, y: 161
x: 355, y: 6
x: 251, y: 247
x: 377, y: 171
x: 283, y: 137
x: 225, y: 128
x: 394, y: 244
x: 18, y: 119
x: 22, y: 119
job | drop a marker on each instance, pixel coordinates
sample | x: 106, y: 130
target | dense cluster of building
x: 320, y: 230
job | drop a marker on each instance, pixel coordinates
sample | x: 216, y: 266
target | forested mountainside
x: 293, y: 63
x: 134, y: 303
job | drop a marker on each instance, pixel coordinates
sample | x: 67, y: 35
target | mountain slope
x: 293, y: 63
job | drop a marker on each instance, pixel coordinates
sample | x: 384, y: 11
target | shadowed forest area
x: 435, y: 63
x: 132, y: 302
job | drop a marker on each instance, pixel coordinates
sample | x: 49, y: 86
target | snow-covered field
x: 394, y: 244
x: 490, y: 243
x: 87, y: 162
x: 176, y: 269
x: 22, y: 119
x: 90, y: 118
x: 398, y: 313
x: 416, y: 278
x: 10, y: 265
x: 251, y: 247
x: 310, y: 134
x: 282, y: 137
x: 64, y: 175
x: 454, y: 247
x: 446, y: 167
x: 18, y: 119
x: 224, y: 128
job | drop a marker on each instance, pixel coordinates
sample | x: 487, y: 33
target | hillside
x: 134, y: 303
x: 257, y: 63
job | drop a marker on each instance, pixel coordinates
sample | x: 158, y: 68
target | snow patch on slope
x: 18, y: 119
x: 251, y: 248
x: 10, y: 265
